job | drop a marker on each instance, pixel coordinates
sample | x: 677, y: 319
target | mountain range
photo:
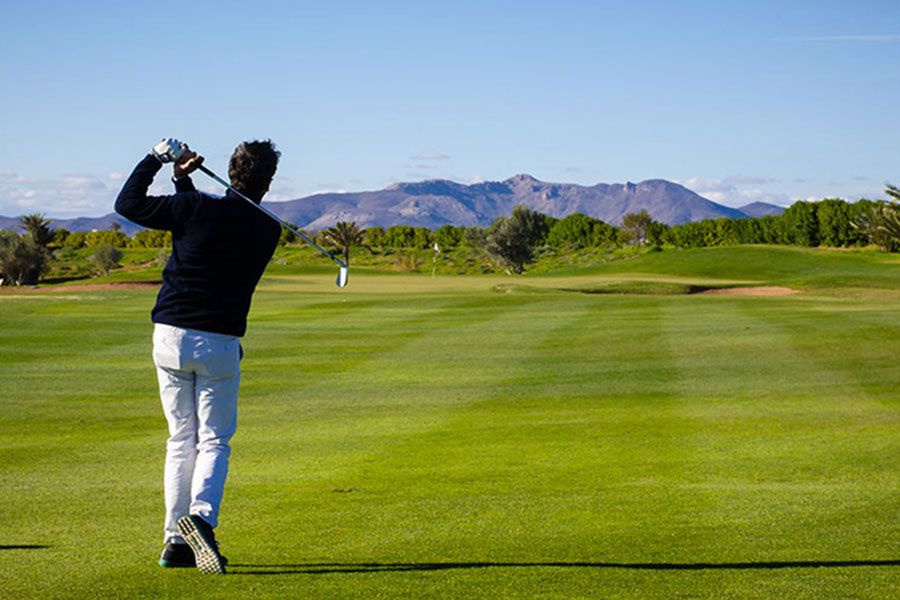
x: 438, y: 202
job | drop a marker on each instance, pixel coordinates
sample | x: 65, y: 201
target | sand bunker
x: 765, y: 290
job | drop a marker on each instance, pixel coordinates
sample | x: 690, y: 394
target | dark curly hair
x: 252, y: 167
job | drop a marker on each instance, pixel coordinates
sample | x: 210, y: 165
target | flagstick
x: 434, y: 256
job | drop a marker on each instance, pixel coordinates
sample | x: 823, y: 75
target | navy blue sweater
x: 220, y: 248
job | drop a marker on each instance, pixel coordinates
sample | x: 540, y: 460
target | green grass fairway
x: 481, y: 436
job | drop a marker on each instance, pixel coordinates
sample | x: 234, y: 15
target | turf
x: 480, y: 436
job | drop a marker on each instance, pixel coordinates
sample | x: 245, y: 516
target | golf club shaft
x: 271, y: 214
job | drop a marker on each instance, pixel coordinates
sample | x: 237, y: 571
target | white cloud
x: 430, y: 156
x: 733, y: 191
x: 61, y: 197
x: 707, y: 187
x: 281, y: 193
x: 83, y: 182
x: 87, y: 195
x: 324, y: 191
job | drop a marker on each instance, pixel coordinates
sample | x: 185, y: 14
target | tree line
x: 510, y: 242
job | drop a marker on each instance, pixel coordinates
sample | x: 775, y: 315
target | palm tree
x: 890, y: 215
x: 38, y: 227
x: 344, y: 236
x: 881, y: 223
x: 871, y: 224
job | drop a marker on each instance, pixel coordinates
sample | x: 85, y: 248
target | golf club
x: 342, y: 274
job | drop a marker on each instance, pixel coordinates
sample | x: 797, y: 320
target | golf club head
x: 342, y: 276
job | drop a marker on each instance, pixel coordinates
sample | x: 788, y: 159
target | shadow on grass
x: 57, y: 280
x: 23, y: 547
x: 326, y: 568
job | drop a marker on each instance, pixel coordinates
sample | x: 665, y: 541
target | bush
x: 75, y: 239
x: 510, y: 241
x: 449, y: 236
x: 162, y: 256
x: 116, y: 239
x: 399, y: 236
x: 634, y: 228
x: 287, y: 236
x: 59, y: 237
x: 151, y: 238
x: 107, y: 257
x: 375, y: 237
x: 422, y: 238
x: 576, y: 231
x: 22, y: 260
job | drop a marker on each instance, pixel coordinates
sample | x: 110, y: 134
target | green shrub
x: 117, y: 239
x: 22, y: 259
x: 151, y: 238
x: 76, y: 239
x: 107, y: 257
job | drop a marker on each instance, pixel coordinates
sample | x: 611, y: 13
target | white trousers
x: 198, y: 373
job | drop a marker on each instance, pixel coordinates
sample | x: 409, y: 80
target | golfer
x: 220, y: 247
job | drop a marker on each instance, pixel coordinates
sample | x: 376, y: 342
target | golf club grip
x: 270, y: 214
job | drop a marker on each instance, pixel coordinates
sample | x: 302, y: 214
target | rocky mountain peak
x: 436, y: 202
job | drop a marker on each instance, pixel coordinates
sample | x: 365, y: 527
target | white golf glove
x: 168, y: 150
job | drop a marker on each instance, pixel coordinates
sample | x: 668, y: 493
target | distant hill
x: 79, y: 224
x: 439, y: 202
x: 9, y: 224
x: 761, y: 209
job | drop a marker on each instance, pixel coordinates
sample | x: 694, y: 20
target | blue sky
x: 740, y: 101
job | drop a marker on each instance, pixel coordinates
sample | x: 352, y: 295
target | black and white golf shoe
x: 199, y: 536
x: 177, y: 556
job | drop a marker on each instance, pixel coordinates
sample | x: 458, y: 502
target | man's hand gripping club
x: 171, y: 150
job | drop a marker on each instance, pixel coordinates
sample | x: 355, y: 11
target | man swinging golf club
x: 220, y: 247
